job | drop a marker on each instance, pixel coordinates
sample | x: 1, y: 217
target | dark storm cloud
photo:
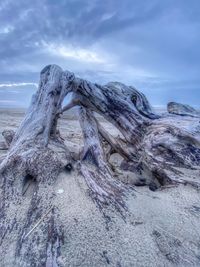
x: 153, y: 45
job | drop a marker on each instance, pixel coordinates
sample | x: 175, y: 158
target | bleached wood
x: 182, y: 110
x: 37, y: 153
x: 94, y: 166
x: 135, y: 97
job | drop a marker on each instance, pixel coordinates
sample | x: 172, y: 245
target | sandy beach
x: 161, y: 229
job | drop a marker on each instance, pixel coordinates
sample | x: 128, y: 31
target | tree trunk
x: 134, y: 96
x: 34, y: 160
x: 113, y: 106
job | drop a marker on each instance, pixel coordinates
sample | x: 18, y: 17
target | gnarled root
x: 166, y: 149
x: 94, y: 167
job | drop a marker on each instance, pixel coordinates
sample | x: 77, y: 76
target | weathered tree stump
x: 37, y: 154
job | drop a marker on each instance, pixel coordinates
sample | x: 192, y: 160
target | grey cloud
x: 151, y: 44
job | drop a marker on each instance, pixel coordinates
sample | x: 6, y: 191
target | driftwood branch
x: 182, y: 110
x: 94, y: 166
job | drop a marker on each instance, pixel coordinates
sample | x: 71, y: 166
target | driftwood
x: 182, y: 110
x: 37, y: 154
x: 8, y: 137
x: 139, y: 100
x: 94, y: 165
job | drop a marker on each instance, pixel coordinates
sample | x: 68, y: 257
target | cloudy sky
x: 151, y: 44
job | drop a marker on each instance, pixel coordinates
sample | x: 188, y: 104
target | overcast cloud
x: 153, y: 45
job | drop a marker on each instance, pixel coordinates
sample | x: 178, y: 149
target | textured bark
x: 166, y: 147
x: 35, y: 158
x: 103, y: 187
x: 136, y: 97
x: 112, y: 105
x: 36, y: 132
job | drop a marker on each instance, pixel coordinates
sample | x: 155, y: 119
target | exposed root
x: 104, y: 189
x: 94, y: 167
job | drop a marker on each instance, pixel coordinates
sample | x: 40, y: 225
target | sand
x: 162, y: 228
